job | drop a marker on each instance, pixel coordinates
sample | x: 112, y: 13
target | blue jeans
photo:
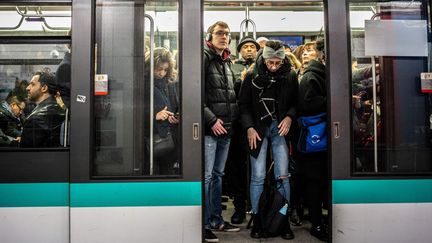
x: 258, y: 165
x: 216, y: 153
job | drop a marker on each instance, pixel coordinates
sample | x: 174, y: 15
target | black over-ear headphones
x: 208, y: 36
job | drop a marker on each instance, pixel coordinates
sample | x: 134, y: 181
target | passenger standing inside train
x: 42, y: 126
x: 11, y: 120
x: 166, y: 107
x: 220, y: 111
x: 312, y: 167
x: 63, y: 78
x: 236, y: 172
x: 267, y: 103
x: 262, y: 41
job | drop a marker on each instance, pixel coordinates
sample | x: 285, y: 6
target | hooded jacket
x: 42, y: 126
x: 286, y: 96
x: 312, y: 99
x: 220, y: 99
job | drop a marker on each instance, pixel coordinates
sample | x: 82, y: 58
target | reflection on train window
x: 35, y: 20
x: 137, y: 110
x: 391, y: 115
x: 34, y: 95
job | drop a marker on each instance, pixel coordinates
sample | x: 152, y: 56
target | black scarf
x: 267, y: 84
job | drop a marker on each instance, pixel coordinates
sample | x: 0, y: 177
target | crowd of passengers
x: 251, y: 107
x: 33, y: 114
x: 250, y: 111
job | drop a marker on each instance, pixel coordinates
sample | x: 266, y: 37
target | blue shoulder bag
x: 313, y: 133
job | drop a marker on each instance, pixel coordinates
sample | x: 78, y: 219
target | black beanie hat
x: 245, y: 40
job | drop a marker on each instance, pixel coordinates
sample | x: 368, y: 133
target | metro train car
x: 100, y: 180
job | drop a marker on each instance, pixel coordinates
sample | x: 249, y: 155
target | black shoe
x: 238, y: 217
x: 209, y: 236
x: 295, y: 219
x: 287, y: 233
x: 256, y: 227
x: 320, y: 232
x: 226, y: 227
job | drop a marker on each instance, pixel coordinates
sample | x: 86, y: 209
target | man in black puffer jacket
x: 220, y: 111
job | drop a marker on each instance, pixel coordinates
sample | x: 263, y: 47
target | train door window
x: 391, y: 105
x: 34, y: 75
x: 136, y: 104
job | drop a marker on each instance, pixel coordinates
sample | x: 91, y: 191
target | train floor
x: 301, y: 232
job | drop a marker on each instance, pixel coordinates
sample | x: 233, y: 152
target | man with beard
x: 42, y: 126
x: 236, y: 172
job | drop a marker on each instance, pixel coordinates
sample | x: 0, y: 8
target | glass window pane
x: 136, y: 118
x: 35, y: 20
x: 34, y: 106
x: 391, y: 115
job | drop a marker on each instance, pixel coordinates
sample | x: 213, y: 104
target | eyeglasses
x: 274, y: 63
x: 19, y: 107
x: 222, y: 33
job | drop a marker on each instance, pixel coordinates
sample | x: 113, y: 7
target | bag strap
x: 250, y: 221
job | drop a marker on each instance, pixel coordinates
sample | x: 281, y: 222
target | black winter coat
x: 312, y: 99
x: 10, y: 126
x: 237, y: 69
x: 42, y: 126
x: 220, y: 98
x: 286, y: 97
x: 63, y: 78
x: 165, y: 94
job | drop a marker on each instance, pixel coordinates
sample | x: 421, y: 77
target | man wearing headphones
x: 220, y: 111
x: 42, y: 126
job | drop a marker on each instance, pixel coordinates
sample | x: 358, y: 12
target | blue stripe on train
x: 34, y: 194
x: 136, y: 194
x: 100, y: 194
x: 381, y: 191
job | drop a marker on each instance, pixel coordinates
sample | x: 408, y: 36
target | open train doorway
x: 244, y: 27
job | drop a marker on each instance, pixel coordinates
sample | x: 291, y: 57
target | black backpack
x: 272, y: 207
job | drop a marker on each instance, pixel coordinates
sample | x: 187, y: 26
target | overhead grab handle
x: 245, y: 23
x: 16, y: 26
x: 39, y: 14
x: 40, y: 17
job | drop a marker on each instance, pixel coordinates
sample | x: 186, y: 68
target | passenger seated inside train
x: 42, y: 126
x: 11, y: 120
x: 166, y: 107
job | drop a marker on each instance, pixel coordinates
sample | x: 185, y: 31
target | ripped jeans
x: 258, y: 165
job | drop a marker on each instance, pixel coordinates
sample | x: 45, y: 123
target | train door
x: 34, y: 149
x: 380, y: 120
x: 136, y: 153
x: 294, y: 23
